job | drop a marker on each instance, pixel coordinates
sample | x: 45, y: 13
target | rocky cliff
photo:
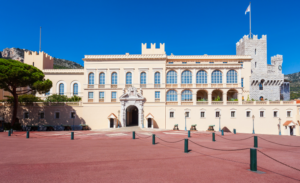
x: 18, y: 54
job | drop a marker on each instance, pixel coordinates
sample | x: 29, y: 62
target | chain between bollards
x: 27, y: 134
x: 213, y: 137
x: 133, y: 135
x: 72, y: 135
x: 253, y: 159
x: 189, y: 134
x: 153, y: 139
x: 255, y: 141
x: 234, y: 131
x: 186, y: 145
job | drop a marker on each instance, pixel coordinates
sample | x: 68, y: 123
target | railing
x: 186, y: 85
x: 248, y: 102
x: 274, y: 102
x: 128, y: 85
x: 202, y: 103
x: 232, y: 85
x: 288, y: 102
x: 90, y: 100
x: 201, y: 85
x: 261, y: 102
x: 217, y: 103
x: 114, y: 86
x: 216, y: 85
x: 113, y: 100
x: 101, y: 86
x: 172, y: 103
x: 101, y: 99
x: 143, y: 85
x: 90, y: 86
x: 232, y: 102
x: 186, y: 103
x: 157, y: 100
x: 156, y: 85
x: 172, y: 85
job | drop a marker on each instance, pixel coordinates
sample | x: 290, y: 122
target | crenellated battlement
x: 153, y: 49
x: 34, y: 53
x: 276, y: 59
x: 246, y: 37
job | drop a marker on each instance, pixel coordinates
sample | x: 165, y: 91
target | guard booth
x: 149, y: 119
x: 1, y: 124
x: 112, y: 121
x: 289, y: 128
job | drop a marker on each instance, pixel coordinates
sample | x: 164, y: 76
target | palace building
x: 155, y: 90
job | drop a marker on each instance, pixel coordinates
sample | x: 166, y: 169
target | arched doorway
x: 132, y: 116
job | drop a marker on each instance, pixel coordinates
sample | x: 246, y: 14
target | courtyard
x: 113, y: 156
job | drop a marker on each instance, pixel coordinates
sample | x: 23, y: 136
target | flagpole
x: 250, y: 20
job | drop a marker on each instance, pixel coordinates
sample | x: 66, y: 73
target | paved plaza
x: 113, y: 156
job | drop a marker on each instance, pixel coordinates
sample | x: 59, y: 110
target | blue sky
x: 72, y: 29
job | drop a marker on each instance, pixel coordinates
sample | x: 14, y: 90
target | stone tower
x: 265, y: 79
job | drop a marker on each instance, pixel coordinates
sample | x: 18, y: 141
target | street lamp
x: 118, y: 118
x: 279, y: 126
x: 253, y: 124
x: 186, y: 115
x: 219, y: 122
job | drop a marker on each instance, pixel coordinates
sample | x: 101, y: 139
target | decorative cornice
x: 123, y: 57
x: 63, y: 71
x: 202, y: 66
x: 212, y: 57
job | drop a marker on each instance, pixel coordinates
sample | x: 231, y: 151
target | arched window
x: 201, y: 77
x: 171, y: 77
x: 157, y: 78
x: 61, y: 89
x: 172, y: 95
x: 186, y: 95
x: 102, y: 79
x: 128, y: 78
x: 91, y: 78
x: 232, y: 76
x: 143, y: 78
x: 114, y: 78
x: 75, y: 89
x: 216, y: 77
x: 186, y: 77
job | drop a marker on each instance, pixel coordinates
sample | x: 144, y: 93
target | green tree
x: 15, y: 74
x: 62, y: 98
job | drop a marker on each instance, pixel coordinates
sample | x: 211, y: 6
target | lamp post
x: 279, y: 126
x: 219, y: 122
x: 185, y: 119
x: 118, y: 118
x: 253, y: 124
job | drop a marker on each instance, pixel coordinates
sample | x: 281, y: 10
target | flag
x: 247, y: 10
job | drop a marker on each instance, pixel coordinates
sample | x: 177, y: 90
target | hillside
x: 294, y: 85
x: 18, y: 54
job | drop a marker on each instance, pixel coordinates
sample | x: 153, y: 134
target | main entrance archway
x: 132, y: 107
x: 132, y: 116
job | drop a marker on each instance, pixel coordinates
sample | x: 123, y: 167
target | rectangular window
x: 113, y: 95
x: 91, y: 95
x: 224, y: 62
x: 202, y: 114
x: 73, y: 115
x: 42, y: 115
x: 56, y: 115
x: 171, y: 114
x: 217, y: 114
x: 197, y: 62
x: 48, y: 93
x: 288, y: 114
x: 157, y: 95
x: 101, y: 95
x: 211, y: 62
x: 187, y: 114
x: 275, y: 114
x: 26, y: 115
x: 248, y: 114
x: 262, y: 114
x: 233, y: 114
x: 242, y: 82
x: 243, y: 64
x: 170, y: 63
x: 183, y: 62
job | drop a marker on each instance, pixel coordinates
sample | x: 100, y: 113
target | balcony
x: 90, y: 100
x: 186, y: 85
x: 232, y: 102
x: 90, y: 86
x: 217, y: 103
x: 201, y: 85
x: 113, y: 100
x: 156, y: 85
x: 143, y: 85
x: 114, y: 86
x: 172, y: 103
x: 101, y: 86
x: 216, y: 85
x: 186, y: 103
x: 128, y: 85
x: 202, y: 103
x: 172, y: 85
x: 157, y: 100
x: 101, y: 99
x: 232, y: 85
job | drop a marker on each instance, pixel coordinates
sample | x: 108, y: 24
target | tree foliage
x: 62, y: 98
x: 24, y: 99
x: 17, y: 75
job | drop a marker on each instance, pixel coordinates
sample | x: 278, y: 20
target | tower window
x: 255, y: 64
x: 32, y: 63
x: 255, y: 51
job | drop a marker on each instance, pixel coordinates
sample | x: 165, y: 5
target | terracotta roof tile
x: 288, y: 122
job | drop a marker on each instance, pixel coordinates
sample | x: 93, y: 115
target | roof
x: 112, y: 114
x: 149, y: 116
x: 287, y: 123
